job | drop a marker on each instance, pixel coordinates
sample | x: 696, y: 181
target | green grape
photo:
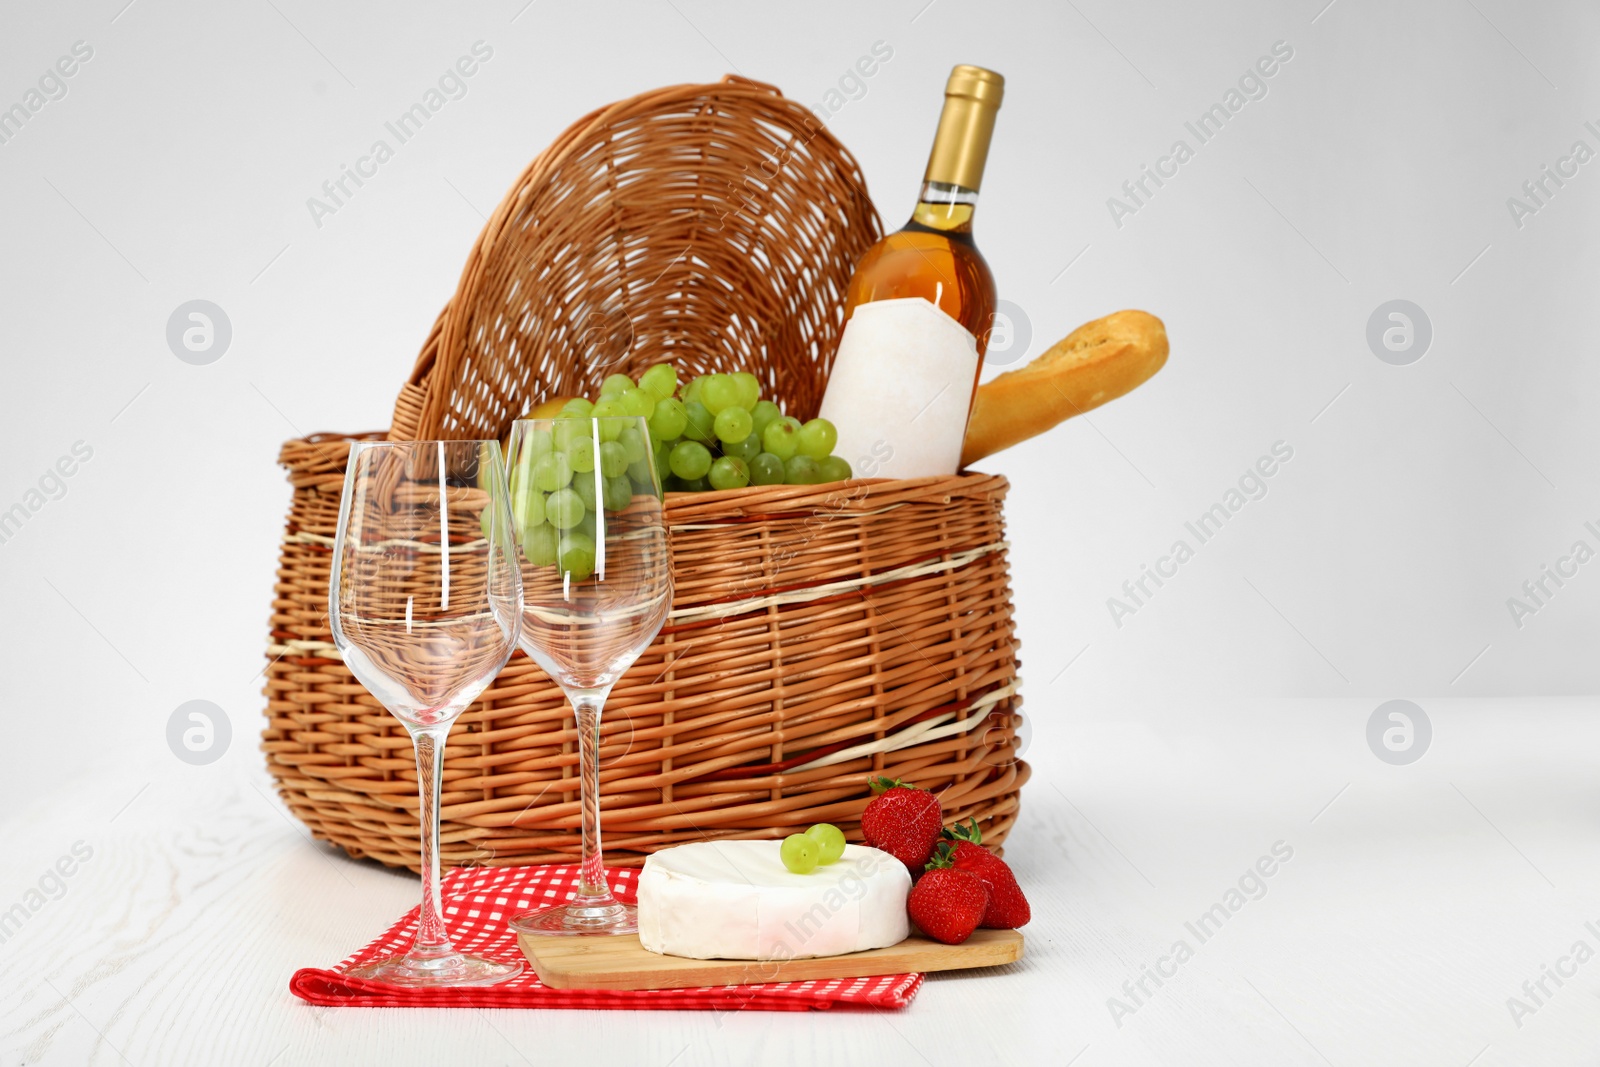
x: 611, y: 412
x: 521, y: 478
x: 618, y: 493
x: 538, y: 515
x: 637, y: 402
x: 729, y: 473
x: 747, y: 450
x: 539, y: 544
x: 692, y: 390
x: 578, y: 406
x: 749, y: 388
x: 577, y: 555
x: 660, y: 381
x: 633, y: 443
x: 486, y: 522
x: 732, y: 424
x: 565, y: 509
x: 763, y: 414
x: 817, y: 438
x: 613, y: 459
x: 693, y: 485
x: 800, y: 853
x: 527, y: 507
x: 580, y: 453
x: 701, y: 426
x: 690, y: 460
x: 614, y: 384
x: 835, y: 469
x: 569, y: 427
x: 782, y: 437
x: 586, y: 491
x: 801, y: 470
x: 537, y: 443
x: 643, y: 475
x: 720, y: 391
x: 766, y: 469
x: 829, y: 839
x: 669, y: 419
x: 664, y: 461
x: 552, y: 472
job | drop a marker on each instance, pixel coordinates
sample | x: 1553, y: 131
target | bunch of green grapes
x: 718, y: 433
x: 555, y: 494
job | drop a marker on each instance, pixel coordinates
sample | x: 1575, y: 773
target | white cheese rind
x: 735, y: 900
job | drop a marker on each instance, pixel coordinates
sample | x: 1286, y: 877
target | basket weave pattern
x: 819, y: 635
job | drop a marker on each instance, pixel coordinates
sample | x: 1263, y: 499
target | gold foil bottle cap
x: 985, y: 86
x: 961, y: 146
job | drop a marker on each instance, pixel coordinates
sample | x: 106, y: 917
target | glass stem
x: 432, y: 942
x: 592, y: 888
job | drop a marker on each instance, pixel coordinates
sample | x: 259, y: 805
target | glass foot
x: 578, y: 920
x: 452, y: 970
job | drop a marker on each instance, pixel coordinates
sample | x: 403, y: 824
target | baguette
x: 1097, y: 362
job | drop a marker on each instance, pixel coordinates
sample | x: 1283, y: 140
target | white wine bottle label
x: 900, y: 389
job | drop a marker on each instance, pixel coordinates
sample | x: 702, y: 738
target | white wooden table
x: 1417, y: 900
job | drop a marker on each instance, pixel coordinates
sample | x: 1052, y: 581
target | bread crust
x: 1097, y: 362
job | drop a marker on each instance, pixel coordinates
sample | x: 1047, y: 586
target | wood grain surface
x: 623, y: 963
x: 1415, y: 904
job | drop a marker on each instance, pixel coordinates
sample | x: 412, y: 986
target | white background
x: 1379, y: 564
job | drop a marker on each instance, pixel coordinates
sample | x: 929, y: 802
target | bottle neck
x: 961, y: 143
x: 945, y: 207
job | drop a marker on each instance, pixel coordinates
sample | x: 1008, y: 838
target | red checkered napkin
x: 477, y: 902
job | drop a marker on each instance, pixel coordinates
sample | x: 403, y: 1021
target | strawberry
x: 947, y: 904
x: 1008, y: 908
x: 904, y: 821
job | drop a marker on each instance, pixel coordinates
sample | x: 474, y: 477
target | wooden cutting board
x: 622, y: 963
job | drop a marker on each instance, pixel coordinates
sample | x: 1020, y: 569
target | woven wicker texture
x: 819, y: 635
x: 713, y: 225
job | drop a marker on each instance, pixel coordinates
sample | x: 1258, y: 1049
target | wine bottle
x: 919, y: 309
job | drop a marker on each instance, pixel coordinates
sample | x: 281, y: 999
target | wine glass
x: 587, y: 515
x: 425, y: 605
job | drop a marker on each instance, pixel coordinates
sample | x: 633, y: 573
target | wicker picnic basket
x: 820, y: 635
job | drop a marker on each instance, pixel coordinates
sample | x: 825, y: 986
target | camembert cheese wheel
x: 735, y: 900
